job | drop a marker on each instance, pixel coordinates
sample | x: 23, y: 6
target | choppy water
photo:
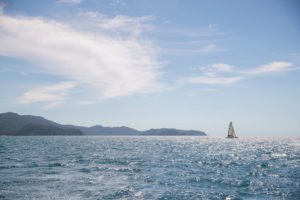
x: 58, y: 167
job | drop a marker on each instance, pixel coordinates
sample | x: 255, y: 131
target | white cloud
x: 207, y: 49
x: 209, y: 74
x: 52, y: 105
x: 110, y: 66
x: 197, y: 41
x: 90, y: 14
x: 273, y: 67
x: 70, y: 1
x: 222, y: 67
x: 215, y: 80
x: 213, y: 74
x: 54, y: 95
x: 133, y: 25
x: 214, y: 68
x: 208, y: 31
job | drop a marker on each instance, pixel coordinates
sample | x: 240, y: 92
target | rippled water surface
x: 88, y: 167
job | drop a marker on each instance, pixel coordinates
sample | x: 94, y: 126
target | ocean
x: 101, y: 167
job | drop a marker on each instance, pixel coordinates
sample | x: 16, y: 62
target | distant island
x: 13, y: 124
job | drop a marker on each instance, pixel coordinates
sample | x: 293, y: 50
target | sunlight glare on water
x: 88, y: 167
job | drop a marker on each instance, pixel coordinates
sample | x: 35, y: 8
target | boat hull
x: 231, y: 137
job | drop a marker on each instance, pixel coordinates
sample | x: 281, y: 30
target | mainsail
x: 231, y: 133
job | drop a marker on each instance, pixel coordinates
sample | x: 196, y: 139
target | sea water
x: 92, y: 167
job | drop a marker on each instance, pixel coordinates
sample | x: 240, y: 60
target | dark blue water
x: 149, y: 168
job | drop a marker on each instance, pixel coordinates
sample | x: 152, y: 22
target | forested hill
x: 14, y: 124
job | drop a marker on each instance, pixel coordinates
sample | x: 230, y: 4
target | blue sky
x: 152, y: 64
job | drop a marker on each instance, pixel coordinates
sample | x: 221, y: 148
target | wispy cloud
x: 208, y: 31
x: 200, y: 41
x: 215, y: 80
x: 214, y: 68
x: 211, y: 48
x: 52, y: 105
x: 53, y: 95
x: 110, y: 66
x: 222, y: 67
x: 273, y: 67
x: 134, y: 25
x: 117, y: 26
x: 207, y: 49
x: 224, y: 74
x: 70, y: 1
x: 90, y: 14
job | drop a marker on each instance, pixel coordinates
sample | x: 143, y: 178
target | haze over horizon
x: 153, y: 64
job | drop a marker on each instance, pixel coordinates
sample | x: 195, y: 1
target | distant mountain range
x: 14, y: 124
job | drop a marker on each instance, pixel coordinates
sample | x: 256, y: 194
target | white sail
x: 231, y: 133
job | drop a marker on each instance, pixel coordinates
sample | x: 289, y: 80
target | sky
x: 196, y: 64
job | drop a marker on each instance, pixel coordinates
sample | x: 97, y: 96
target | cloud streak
x: 53, y: 95
x: 214, y: 74
x: 109, y: 66
x: 198, y: 41
x: 207, y: 49
x: 132, y: 25
x: 215, y: 80
x: 71, y: 1
x: 208, y: 31
x: 273, y: 67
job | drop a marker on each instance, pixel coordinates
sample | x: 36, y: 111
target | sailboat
x: 231, y: 133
